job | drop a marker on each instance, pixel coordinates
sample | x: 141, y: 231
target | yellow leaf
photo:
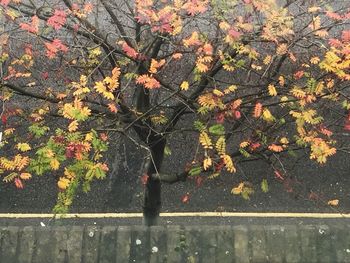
x: 281, y: 80
x: 23, y: 147
x: 267, y: 116
x: 89, y: 137
x: 315, y: 60
x: 73, y: 126
x: 68, y: 174
x: 228, y: 163
x: 272, y: 90
x: 25, y: 176
x: 334, y: 202
x: 221, y: 145
x: 205, y: 140
x: 230, y: 89
x: 267, y: 60
x: 184, y: 85
x: 244, y: 144
x: 55, y: 164
x: 9, y: 131
x: 314, y: 9
x: 63, y: 183
x: 284, y: 140
x: 237, y: 190
x: 218, y: 93
x: 207, y: 163
x: 21, y: 161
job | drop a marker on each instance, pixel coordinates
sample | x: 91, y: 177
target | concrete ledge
x: 241, y: 243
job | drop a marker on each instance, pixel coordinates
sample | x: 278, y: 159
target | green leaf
x: 264, y: 186
x: 217, y: 129
x: 195, y: 171
x: 167, y: 150
x: 199, y: 126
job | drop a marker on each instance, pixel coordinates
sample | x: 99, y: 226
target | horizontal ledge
x: 180, y: 214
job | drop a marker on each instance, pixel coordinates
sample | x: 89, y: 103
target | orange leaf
x: 334, y: 202
x: 257, y: 110
x: 25, y: 176
x: 19, y: 183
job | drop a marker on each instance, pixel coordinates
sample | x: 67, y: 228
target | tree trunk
x: 152, y: 197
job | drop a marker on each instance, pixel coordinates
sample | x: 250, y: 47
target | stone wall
x: 107, y: 244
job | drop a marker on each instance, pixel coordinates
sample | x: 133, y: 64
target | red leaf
x: 237, y: 114
x: 70, y: 151
x: 4, y: 2
x: 45, y: 75
x: 185, y: 198
x: 234, y: 34
x: 347, y: 123
x: 254, y: 146
x: 335, y: 42
x: 33, y: 27
x: 53, y: 47
x: 346, y: 36
x: 299, y: 74
x: 4, y: 119
x: 199, y: 181
x: 220, y: 117
x: 57, y: 20
x: 219, y: 166
x: 333, y: 15
x: 144, y: 179
x: 103, y: 137
x: 129, y: 51
x: 18, y: 183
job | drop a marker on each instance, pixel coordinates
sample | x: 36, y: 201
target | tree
x: 248, y: 79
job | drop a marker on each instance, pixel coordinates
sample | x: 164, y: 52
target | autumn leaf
x: 156, y: 65
x: 5, y: 3
x: 18, y: 183
x: 53, y: 47
x: 23, y: 147
x: 275, y: 148
x: 257, y: 110
x: 112, y: 107
x: 205, y: 140
x: 33, y: 27
x: 25, y: 176
x: 238, y: 189
x: 185, y: 198
x: 267, y: 116
x: 129, y: 51
x: 55, y: 164
x: 207, y: 163
x: 148, y: 81
x: 272, y: 90
x: 228, y: 163
x: 144, y: 178
x: 63, y: 183
x: 184, y: 85
x: 264, y: 186
x: 333, y: 202
x: 177, y: 56
x: 57, y: 20
x: 73, y: 126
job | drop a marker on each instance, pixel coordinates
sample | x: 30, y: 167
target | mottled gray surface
x: 240, y: 243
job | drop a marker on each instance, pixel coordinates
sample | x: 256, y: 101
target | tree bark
x: 152, y: 198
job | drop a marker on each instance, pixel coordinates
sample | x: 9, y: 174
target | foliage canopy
x: 249, y: 79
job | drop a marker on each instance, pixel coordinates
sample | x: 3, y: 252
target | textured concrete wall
x: 107, y: 244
